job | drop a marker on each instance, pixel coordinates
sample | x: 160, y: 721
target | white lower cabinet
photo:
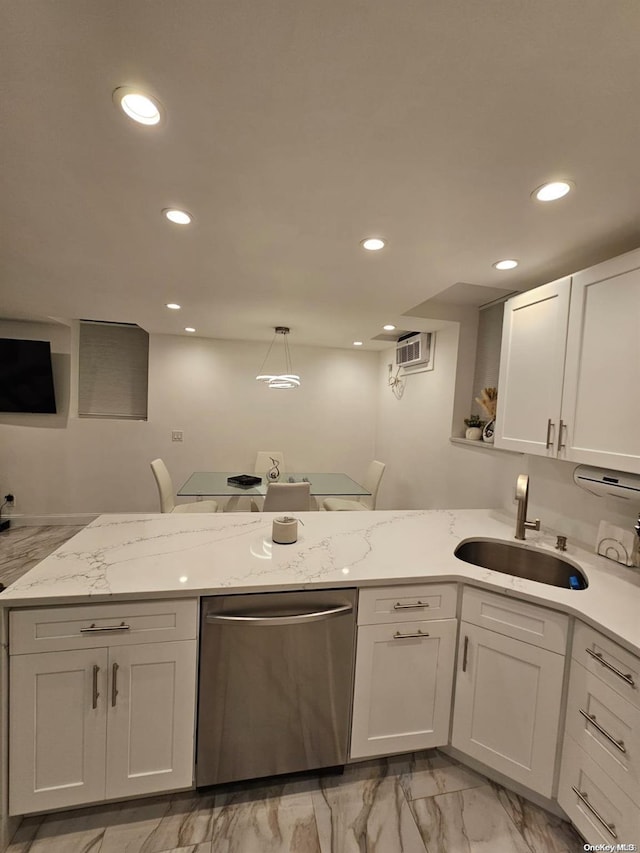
x: 58, y: 729
x: 508, y: 692
x: 103, y: 722
x: 600, y: 777
x: 404, y: 670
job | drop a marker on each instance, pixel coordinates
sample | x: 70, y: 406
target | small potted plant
x: 474, y: 427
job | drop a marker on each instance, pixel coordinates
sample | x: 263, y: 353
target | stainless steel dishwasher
x: 275, y: 683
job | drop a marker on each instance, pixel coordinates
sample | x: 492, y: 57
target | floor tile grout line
x: 413, y: 817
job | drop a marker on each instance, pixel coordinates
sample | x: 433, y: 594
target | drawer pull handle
x: 398, y: 606
x: 600, y: 659
x: 114, y: 684
x: 95, y: 694
x: 465, y: 654
x: 591, y: 718
x: 608, y: 826
x: 419, y: 633
x: 94, y: 629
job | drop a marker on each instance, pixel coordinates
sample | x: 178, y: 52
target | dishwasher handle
x: 297, y: 619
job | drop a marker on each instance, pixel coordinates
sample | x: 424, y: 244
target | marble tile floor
x: 421, y: 803
x: 21, y: 547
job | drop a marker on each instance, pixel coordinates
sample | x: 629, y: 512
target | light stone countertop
x: 159, y: 556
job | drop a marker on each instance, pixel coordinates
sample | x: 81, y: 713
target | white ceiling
x: 295, y: 129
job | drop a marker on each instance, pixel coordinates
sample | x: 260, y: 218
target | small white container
x: 473, y: 433
x: 285, y: 530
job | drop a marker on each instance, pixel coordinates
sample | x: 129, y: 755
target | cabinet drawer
x: 47, y: 629
x: 407, y: 603
x: 518, y: 619
x: 600, y: 811
x: 607, y: 727
x: 616, y: 666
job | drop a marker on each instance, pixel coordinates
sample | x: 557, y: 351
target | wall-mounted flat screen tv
x: 26, y: 376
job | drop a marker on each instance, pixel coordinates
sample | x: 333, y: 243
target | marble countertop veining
x: 145, y: 556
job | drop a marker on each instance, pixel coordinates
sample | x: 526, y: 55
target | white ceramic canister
x: 285, y: 530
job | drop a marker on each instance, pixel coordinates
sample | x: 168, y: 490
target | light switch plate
x: 176, y: 435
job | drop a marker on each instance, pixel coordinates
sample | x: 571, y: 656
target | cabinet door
x: 507, y: 705
x: 58, y: 717
x: 531, y: 369
x: 151, y: 722
x: 403, y: 680
x: 601, y: 403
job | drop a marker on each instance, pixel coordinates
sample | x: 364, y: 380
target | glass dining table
x: 214, y: 484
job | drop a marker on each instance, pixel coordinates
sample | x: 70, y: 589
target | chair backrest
x: 165, y: 486
x: 287, y: 497
x: 263, y: 461
x: 372, y: 483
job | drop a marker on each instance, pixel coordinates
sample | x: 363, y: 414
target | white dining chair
x: 364, y: 502
x: 165, y: 491
x: 287, y: 497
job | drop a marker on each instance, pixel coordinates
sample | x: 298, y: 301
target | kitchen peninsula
x: 138, y: 564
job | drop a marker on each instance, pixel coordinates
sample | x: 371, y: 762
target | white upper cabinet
x: 534, y: 335
x: 569, y: 368
x: 601, y: 398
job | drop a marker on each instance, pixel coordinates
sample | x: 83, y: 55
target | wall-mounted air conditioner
x: 414, y: 349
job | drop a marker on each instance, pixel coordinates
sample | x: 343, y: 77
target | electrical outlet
x: 176, y: 435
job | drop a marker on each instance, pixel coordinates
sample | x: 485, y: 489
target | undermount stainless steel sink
x: 522, y: 562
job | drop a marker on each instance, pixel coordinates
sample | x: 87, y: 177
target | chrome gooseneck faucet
x: 522, y: 496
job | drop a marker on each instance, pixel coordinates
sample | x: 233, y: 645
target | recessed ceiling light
x: 552, y: 191
x: 180, y: 217
x: 139, y: 107
x: 173, y: 305
x: 373, y: 244
x: 388, y: 327
x: 357, y: 343
x: 507, y: 264
x: 189, y: 329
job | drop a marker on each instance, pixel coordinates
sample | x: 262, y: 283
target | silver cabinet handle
x: 625, y: 677
x: 465, y: 654
x: 548, y: 442
x: 610, y: 827
x: 619, y: 744
x: 114, y: 684
x: 95, y: 694
x: 560, y: 428
x: 298, y: 618
x: 398, y: 606
x: 94, y: 629
x: 419, y: 633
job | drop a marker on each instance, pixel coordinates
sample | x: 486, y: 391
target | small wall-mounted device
x: 600, y: 481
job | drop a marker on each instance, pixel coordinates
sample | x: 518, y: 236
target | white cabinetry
x: 509, y: 686
x: 102, y: 702
x: 550, y: 402
x: 534, y: 337
x: 404, y: 669
x: 600, y: 777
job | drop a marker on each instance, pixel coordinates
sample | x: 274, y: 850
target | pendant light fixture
x: 288, y: 379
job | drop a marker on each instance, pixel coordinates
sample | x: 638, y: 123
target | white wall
x: 63, y: 465
x: 425, y: 470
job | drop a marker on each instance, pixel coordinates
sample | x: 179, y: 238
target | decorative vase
x: 473, y: 433
x: 273, y: 474
x: 487, y: 432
